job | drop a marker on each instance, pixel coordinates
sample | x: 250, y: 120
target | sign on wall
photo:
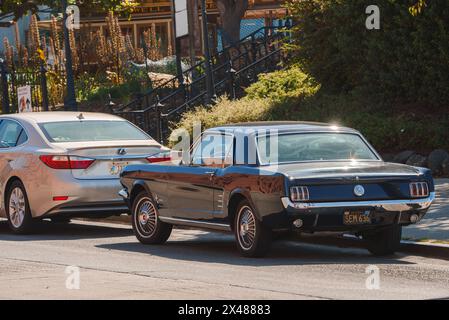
x: 181, y: 16
x: 24, y: 99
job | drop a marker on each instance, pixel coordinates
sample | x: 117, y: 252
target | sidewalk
x: 435, y: 226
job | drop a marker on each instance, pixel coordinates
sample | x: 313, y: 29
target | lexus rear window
x: 94, y: 130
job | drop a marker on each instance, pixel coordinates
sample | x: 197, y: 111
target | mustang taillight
x: 419, y: 189
x: 66, y: 162
x: 299, y: 194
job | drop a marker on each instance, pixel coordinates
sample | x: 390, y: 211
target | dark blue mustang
x: 262, y: 178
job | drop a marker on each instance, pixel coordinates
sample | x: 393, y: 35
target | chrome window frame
x: 198, y: 140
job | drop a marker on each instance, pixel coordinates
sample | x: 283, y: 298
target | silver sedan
x: 64, y: 164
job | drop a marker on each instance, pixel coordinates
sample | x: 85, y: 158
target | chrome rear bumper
x: 386, y: 205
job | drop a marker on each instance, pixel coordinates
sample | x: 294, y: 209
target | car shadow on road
x: 59, y: 231
x: 218, y: 248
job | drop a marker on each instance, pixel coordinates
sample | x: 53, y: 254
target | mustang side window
x: 214, y: 150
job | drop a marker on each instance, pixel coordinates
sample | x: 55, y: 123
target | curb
x: 429, y: 250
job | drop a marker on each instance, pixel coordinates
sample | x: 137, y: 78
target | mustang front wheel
x: 253, y: 238
x: 146, y: 224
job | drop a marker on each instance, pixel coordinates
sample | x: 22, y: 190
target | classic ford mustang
x: 258, y: 179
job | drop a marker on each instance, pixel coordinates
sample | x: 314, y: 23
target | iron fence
x: 11, y: 80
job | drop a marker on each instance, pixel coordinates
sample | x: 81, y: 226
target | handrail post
x: 44, y: 88
x: 232, y: 72
x: 158, y: 107
x: 209, y: 70
x: 110, y: 105
x: 70, y: 103
x: 4, y: 79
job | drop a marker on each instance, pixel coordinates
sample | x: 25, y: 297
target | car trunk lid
x: 337, y: 181
x: 110, y: 157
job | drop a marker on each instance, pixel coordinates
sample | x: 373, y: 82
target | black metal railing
x: 234, y: 68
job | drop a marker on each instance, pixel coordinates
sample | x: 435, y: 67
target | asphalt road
x: 199, y: 265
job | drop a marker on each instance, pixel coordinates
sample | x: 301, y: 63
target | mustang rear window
x: 92, y: 130
x: 303, y: 147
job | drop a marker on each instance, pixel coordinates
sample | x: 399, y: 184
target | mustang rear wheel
x: 385, y: 241
x: 146, y: 224
x: 18, y: 210
x: 253, y: 238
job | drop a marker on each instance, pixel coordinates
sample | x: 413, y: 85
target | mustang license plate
x: 356, y: 217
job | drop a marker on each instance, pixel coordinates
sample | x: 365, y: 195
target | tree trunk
x: 231, y: 13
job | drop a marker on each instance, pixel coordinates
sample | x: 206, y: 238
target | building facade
x: 158, y: 14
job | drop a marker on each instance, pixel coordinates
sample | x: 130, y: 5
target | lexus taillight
x: 299, y: 194
x: 160, y: 157
x: 419, y: 189
x: 66, y: 162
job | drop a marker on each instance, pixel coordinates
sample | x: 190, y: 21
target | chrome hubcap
x: 146, y: 216
x: 247, y: 227
x: 17, y: 207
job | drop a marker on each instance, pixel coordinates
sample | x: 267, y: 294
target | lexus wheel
x: 18, y: 210
x: 145, y: 220
x: 252, y: 237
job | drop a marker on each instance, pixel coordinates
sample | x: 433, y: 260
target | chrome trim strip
x: 387, y: 205
x: 197, y: 223
x: 123, y: 193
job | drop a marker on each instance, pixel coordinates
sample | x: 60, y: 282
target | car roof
x: 60, y: 116
x: 284, y: 126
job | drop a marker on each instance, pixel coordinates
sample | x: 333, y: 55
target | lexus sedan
x: 60, y: 165
x: 259, y: 179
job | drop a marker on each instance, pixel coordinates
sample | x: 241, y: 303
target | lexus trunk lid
x: 110, y: 157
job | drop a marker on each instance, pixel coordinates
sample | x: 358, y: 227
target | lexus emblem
x: 359, y: 191
x: 121, y: 151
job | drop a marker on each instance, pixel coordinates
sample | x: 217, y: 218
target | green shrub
x: 271, y: 98
x: 227, y: 111
x: 386, y: 127
x: 284, y: 84
x: 387, y: 130
x: 406, y: 61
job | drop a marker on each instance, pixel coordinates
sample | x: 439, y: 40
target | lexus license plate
x: 117, y: 167
x: 356, y: 217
